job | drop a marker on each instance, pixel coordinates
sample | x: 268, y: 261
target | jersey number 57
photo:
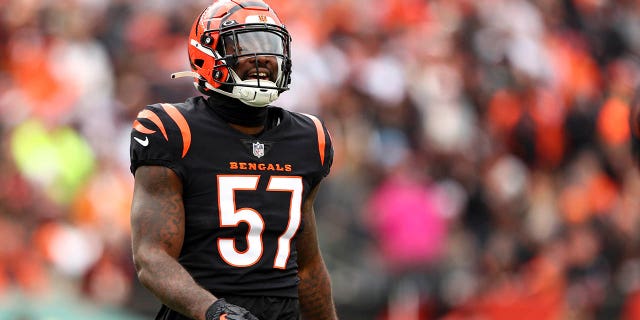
x: 230, y: 216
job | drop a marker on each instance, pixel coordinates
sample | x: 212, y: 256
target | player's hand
x: 221, y: 310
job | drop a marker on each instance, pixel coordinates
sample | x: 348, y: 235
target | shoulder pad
x: 154, y: 115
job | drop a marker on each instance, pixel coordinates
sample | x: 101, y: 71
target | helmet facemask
x: 241, y: 49
x: 256, y: 59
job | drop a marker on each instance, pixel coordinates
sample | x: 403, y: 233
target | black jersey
x: 242, y: 194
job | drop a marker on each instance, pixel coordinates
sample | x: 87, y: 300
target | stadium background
x: 482, y: 164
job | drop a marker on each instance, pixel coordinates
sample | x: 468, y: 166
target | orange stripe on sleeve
x: 148, y: 114
x: 182, y: 124
x: 321, y: 137
x: 141, y: 128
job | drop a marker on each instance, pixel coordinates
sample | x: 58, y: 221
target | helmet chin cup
x: 255, y: 97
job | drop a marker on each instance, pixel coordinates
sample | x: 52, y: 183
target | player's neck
x: 242, y: 117
x: 252, y: 131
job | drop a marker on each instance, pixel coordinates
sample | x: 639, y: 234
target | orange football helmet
x: 229, y: 30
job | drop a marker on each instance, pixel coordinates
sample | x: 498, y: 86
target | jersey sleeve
x: 328, y: 154
x: 156, y: 139
x: 325, y: 146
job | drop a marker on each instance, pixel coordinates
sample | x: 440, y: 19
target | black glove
x: 221, y: 310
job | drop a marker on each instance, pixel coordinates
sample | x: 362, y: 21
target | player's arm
x: 157, y: 227
x: 314, y: 290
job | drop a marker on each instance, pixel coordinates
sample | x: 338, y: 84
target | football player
x: 222, y: 218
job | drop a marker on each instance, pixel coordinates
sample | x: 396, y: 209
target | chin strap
x: 254, y: 97
x: 184, y: 74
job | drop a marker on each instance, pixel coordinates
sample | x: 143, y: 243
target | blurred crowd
x: 482, y: 166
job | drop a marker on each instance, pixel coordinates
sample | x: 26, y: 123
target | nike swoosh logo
x: 144, y: 142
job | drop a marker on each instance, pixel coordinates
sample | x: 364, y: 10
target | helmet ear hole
x: 207, y: 40
x: 198, y: 62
